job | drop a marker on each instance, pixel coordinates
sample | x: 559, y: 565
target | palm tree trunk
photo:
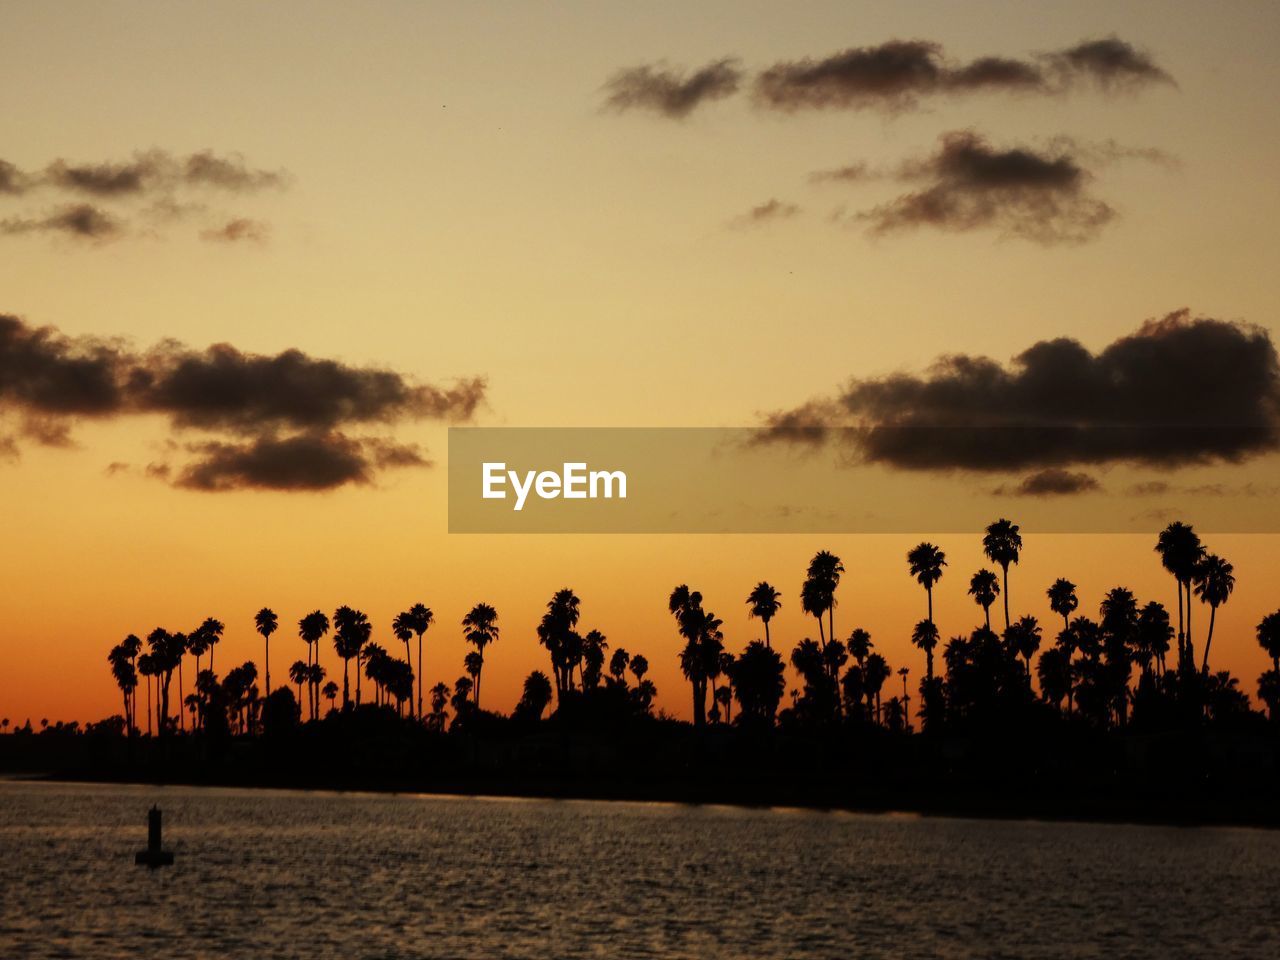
x: 1208, y: 640
x: 266, y: 663
x: 148, y: 706
x: 986, y: 612
x: 346, y: 683
x: 1191, y: 650
x: 182, y: 721
x: 419, y: 677
x: 767, y: 642
x: 1005, y: 568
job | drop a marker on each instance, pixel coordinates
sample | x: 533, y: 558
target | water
x: 266, y: 874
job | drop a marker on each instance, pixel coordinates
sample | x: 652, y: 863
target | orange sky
x: 459, y: 205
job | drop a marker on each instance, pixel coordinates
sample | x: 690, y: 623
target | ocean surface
x: 264, y: 874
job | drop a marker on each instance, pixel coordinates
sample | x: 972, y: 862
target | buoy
x: 154, y: 856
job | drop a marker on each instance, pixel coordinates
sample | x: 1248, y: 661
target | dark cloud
x: 672, y: 92
x: 270, y: 403
x: 239, y: 230
x: 766, y: 212
x: 223, y: 388
x: 896, y: 75
x: 312, y: 461
x: 1177, y: 392
x: 153, y: 171
x: 968, y: 184
x: 161, y: 180
x: 82, y: 221
x: 892, y: 75
x: 1111, y: 63
x: 1051, y: 482
x: 229, y: 172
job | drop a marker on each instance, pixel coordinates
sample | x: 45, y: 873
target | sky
x: 444, y: 193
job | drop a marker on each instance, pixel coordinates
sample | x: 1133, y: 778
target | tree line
x: 1085, y: 674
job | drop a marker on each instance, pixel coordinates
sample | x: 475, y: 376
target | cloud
x: 1110, y: 62
x: 1050, y: 482
x: 968, y: 184
x: 311, y: 461
x: 261, y: 405
x: 82, y: 221
x: 150, y: 171
x: 163, y: 180
x: 1177, y: 392
x: 238, y: 230
x: 896, y: 75
x: 672, y: 92
x: 766, y: 212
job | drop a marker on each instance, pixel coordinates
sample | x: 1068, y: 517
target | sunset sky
x: 445, y: 192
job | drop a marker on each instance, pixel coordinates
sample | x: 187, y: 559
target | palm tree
x: 420, y: 620
x: 1269, y: 638
x: 402, y: 627
x: 618, y: 666
x: 473, y: 663
x: 763, y: 602
x: 481, y: 624
x: 925, y: 636
x: 1023, y: 639
x: 984, y: 587
x: 700, y: 657
x: 1154, y: 631
x: 1180, y: 551
x: 906, y: 699
x: 146, y: 667
x: 925, y: 562
x: 1054, y: 671
x: 211, y: 630
x: 1003, y: 545
x: 859, y: 645
x: 1214, y: 581
x: 351, y: 630
x: 126, y: 677
x: 874, y: 674
x: 265, y: 621
x: 813, y: 601
x: 534, y: 697
x: 824, y: 571
x: 300, y: 673
x: 330, y: 692
x: 1063, y: 600
x: 759, y: 680
x: 312, y: 629
x: 439, y: 700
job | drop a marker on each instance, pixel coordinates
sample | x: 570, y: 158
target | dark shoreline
x: 969, y: 805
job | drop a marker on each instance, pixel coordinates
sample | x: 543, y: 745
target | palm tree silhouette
x: 759, y: 679
x: 439, y: 700
x: 146, y: 667
x: 618, y: 666
x: 763, y: 603
x: 420, y: 619
x: 1003, y: 545
x: 555, y: 632
x: 126, y: 677
x: 1063, y: 600
x: 874, y: 674
x: 1214, y: 581
x: 825, y: 570
x: 1154, y: 632
x: 403, y: 630
x: 1023, y: 638
x: 906, y: 699
x: 1269, y: 638
x: 925, y: 562
x: 299, y: 673
x: 925, y: 636
x: 534, y: 697
x: 481, y: 624
x: 700, y: 658
x: 311, y: 629
x: 351, y: 632
x: 265, y: 622
x: 1180, y: 552
x: 1054, y: 671
x: 330, y: 692
x: 984, y: 587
